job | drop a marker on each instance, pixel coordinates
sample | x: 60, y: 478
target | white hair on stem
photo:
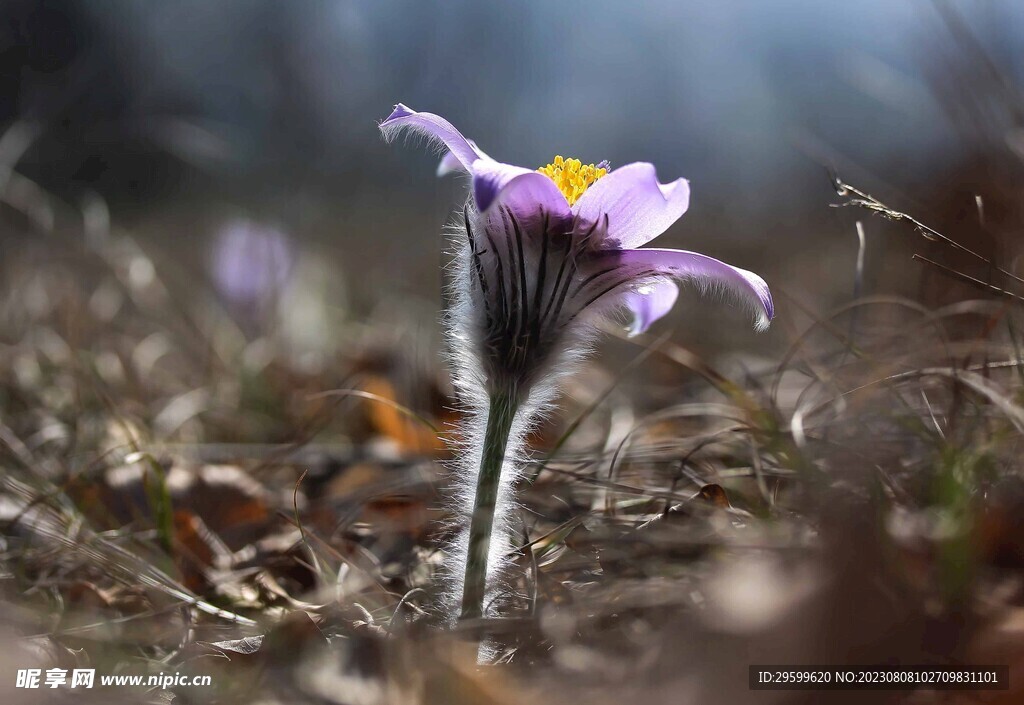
x: 462, y: 325
x: 523, y: 292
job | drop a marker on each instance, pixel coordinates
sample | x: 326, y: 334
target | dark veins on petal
x: 531, y: 280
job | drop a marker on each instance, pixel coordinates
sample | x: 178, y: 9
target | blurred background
x: 222, y: 398
x: 240, y: 135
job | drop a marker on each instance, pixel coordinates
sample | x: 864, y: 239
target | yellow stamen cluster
x: 572, y: 177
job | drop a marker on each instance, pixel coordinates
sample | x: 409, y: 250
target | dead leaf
x: 410, y: 435
x: 246, y: 646
x: 715, y: 495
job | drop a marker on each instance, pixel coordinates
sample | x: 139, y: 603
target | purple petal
x: 525, y: 192
x: 449, y: 162
x: 639, y: 208
x: 649, y: 302
x: 708, y: 274
x: 434, y: 128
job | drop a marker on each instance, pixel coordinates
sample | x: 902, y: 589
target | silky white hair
x: 469, y: 378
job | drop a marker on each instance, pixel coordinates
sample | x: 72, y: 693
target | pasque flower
x: 540, y: 253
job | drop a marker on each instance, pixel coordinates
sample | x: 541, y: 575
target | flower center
x: 573, y: 177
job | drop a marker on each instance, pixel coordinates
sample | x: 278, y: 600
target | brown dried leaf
x: 389, y: 421
x: 715, y: 495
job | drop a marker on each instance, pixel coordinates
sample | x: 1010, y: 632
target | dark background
x: 190, y: 118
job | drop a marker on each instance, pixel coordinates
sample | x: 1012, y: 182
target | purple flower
x: 546, y: 244
x: 538, y: 249
x: 251, y: 262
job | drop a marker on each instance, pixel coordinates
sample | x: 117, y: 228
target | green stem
x: 500, y: 413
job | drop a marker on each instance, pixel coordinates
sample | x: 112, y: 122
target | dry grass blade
x: 342, y: 393
x: 868, y: 202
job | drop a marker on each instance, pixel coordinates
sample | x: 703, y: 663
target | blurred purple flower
x: 251, y: 263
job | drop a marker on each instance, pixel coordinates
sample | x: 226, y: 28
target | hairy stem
x: 500, y: 413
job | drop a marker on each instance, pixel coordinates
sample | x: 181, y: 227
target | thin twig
x: 968, y: 278
x: 870, y: 203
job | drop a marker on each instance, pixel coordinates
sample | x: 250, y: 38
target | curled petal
x: 708, y: 274
x: 639, y: 208
x: 449, y: 162
x: 649, y: 302
x: 525, y: 192
x: 434, y: 128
